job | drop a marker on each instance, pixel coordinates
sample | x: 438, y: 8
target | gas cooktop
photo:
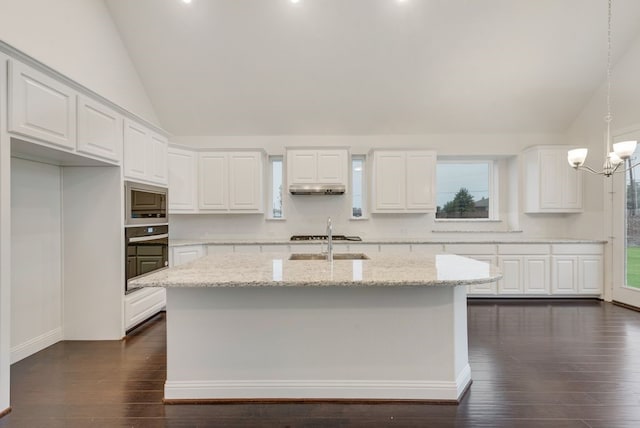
x: 324, y: 237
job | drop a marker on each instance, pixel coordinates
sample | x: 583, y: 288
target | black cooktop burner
x: 324, y: 237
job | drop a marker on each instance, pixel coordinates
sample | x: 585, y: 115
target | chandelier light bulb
x: 625, y: 149
x: 576, y: 157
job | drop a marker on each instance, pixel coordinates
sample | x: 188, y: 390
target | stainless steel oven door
x: 147, y: 250
x: 145, y: 204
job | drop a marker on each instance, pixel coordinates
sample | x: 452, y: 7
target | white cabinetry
x: 550, y: 184
x: 482, y: 252
x: 322, y: 166
x: 213, y: 181
x: 145, y: 154
x: 99, y: 130
x: 142, y: 304
x: 183, y: 181
x: 577, y: 269
x: 245, y: 181
x: 186, y: 254
x: 230, y: 181
x: 41, y: 107
x: 525, y: 269
x: 565, y: 275
x: 403, y: 181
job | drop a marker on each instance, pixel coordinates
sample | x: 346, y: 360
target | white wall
x: 78, y: 39
x: 588, y: 131
x: 308, y: 214
x: 36, y: 234
x: 5, y: 244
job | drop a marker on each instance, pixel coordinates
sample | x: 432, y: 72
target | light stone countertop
x: 443, y: 241
x: 276, y: 270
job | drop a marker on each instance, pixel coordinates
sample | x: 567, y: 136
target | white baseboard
x: 318, y: 389
x: 36, y: 344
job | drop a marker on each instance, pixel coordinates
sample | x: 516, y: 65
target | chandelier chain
x: 608, y: 117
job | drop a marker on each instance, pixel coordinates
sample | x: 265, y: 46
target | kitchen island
x: 261, y: 326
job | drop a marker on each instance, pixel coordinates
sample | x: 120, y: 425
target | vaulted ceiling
x: 270, y: 67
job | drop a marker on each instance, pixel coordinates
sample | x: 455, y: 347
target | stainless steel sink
x: 336, y: 256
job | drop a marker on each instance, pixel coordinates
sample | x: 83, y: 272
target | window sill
x: 476, y: 231
x: 466, y: 220
x: 275, y: 219
x: 358, y: 218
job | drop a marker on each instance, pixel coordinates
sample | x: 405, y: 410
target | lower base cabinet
x: 537, y: 269
x: 142, y: 304
x: 185, y: 254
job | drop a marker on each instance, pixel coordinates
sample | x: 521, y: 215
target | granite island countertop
x: 276, y: 270
x: 383, y: 241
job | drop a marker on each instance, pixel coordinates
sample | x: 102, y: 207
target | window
x: 275, y: 163
x: 465, y: 190
x: 357, y: 186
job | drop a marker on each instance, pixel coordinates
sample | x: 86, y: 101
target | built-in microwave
x: 145, y: 204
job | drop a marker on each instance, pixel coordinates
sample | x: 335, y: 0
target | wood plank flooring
x: 544, y: 364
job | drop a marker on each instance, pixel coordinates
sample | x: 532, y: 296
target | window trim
x: 270, y: 216
x: 363, y: 159
x: 494, y: 190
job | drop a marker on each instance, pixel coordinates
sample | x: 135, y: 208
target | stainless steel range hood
x: 317, y: 189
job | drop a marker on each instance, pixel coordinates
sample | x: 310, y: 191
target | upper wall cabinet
x: 183, y: 180
x: 145, y: 154
x: 403, y: 181
x: 230, y: 182
x: 322, y: 166
x: 99, y: 130
x: 550, y: 184
x: 41, y: 107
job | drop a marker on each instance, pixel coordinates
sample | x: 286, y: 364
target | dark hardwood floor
x: 535, y: 363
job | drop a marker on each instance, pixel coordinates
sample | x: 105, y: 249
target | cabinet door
x: 245, y: 181
x: 536, y: 274
x: 511, y: 282
x: 571, y: 189
x: 99, y: 130
x: 136, y: 151
x: 182, y: 255
x: 212, y: 181
x: 421, y: 181
x: 182, y: 180
x: 302, y: 166
x: 332, y: 166
x: 389, y: 189
x: 41, y: 107
x: 158, y: 157
x: 590, y: 274
x: 564, y: 275
x: 488, y: 287
x: 550, y: 180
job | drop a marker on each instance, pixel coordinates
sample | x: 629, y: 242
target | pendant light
x: 621, y: 151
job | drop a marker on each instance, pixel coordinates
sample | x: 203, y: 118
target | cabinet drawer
x: 573, y: 249
x: 523, y: 249
x: 471, y: 249
x: 141, y: 304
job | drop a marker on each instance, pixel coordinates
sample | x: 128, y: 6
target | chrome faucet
x: 329, y: 240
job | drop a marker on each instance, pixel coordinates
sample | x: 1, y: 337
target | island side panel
x: 314, y: 342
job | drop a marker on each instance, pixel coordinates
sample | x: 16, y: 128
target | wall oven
x: 147, y: 250
x: 145, y: 204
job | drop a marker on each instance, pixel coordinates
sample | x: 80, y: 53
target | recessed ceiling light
x: 186, y: 1
x: 295, y: 1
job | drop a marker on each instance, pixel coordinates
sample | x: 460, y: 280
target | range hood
x: 317, y: 189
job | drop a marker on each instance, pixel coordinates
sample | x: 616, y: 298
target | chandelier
x: 621, y: 151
